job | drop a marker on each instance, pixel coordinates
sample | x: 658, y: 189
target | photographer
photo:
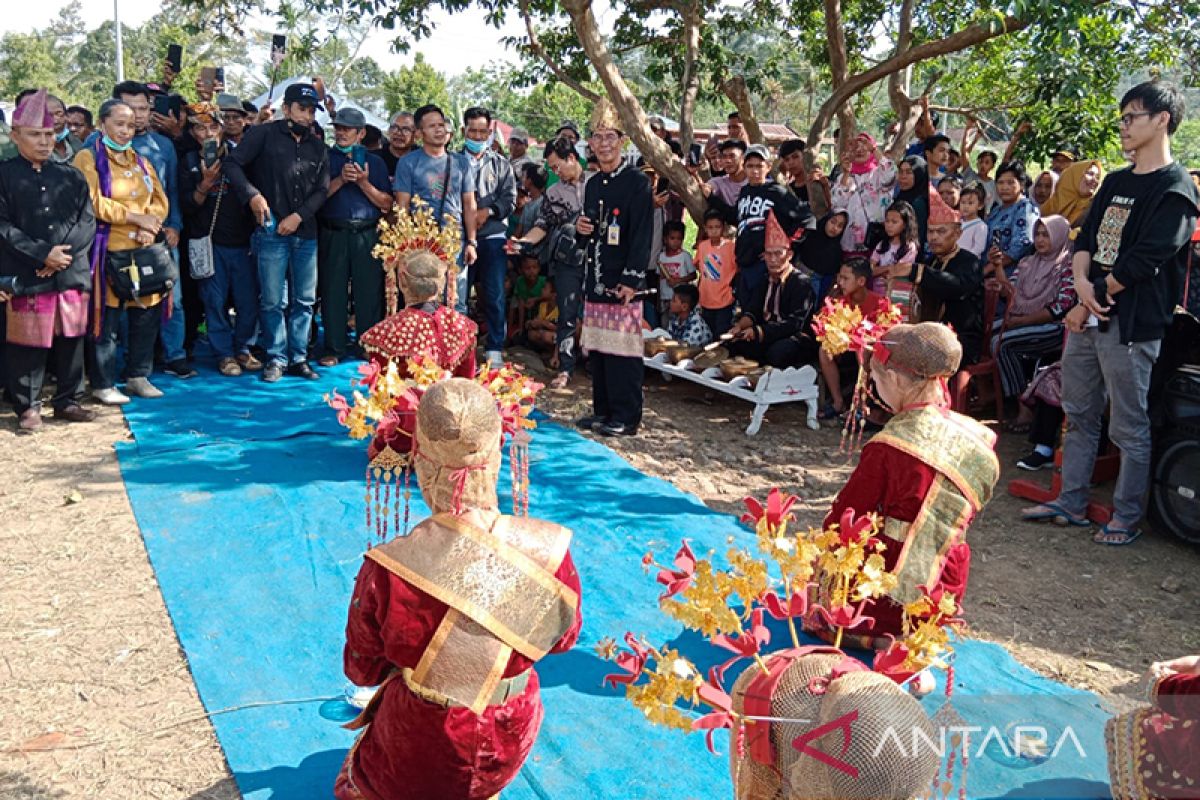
x: 217, y: 226
x: 555, y: 226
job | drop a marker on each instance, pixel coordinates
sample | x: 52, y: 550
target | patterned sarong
x: 612, y: 328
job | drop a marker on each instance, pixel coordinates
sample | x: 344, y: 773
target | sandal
x: 1055, y: 513
x: 560, y: 380
x: 1114, y: 536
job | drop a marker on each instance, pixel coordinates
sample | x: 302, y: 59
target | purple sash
x: 103, y: 229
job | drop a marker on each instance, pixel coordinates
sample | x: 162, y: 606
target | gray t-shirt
x: 420, y: 175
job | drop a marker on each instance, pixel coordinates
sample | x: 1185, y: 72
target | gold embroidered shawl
x: 501, y: 591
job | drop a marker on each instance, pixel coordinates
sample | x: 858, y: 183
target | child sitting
x: 974, y: 237
x: 529, y: 289
x: 687, y: 325
x: 852, y: 286
x: 717, y: 267
x: 675, y: 266
x: 542, y: 326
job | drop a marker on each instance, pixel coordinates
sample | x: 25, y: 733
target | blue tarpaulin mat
x: 250, y: 499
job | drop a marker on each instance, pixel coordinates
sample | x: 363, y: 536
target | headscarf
x: 821, y: 253
x: 920, y: 187
x: 1067, y: 201
x: 871, y: 163
x: 1053, y: 184
x: 1038, y: 275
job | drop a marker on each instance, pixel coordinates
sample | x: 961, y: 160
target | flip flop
x: 1120, y: 536
x: 1055, y: 513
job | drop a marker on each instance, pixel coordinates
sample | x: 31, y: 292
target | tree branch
x: 692, y: 20
x: 535, y: 47
x: 737, y: 92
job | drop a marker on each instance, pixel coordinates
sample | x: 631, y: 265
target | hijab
x: 820, y: 252
x: 871, y: 163
x: 920, y: 187
x: 1053, y: 184
x: 1038, y: 275
x: 1067, y: 201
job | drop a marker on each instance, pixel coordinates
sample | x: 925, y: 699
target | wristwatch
x: 472, y: 243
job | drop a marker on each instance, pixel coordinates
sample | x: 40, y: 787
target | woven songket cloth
x: 811, y: 693
x: 1154, y: 752
x: 34, y: 320
x: 34, y: 111
x: 612, y: 328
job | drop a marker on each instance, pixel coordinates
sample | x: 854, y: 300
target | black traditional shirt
x: 620, y: 205
x: 39, y: 209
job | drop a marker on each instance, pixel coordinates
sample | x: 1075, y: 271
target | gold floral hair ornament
x: 386, y: 411
x: 416, y: 230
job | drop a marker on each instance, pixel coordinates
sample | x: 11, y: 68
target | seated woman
x: 451, y: 619
x: 1154, y: 752
x: 1039, y: 295
x: 927, y: 474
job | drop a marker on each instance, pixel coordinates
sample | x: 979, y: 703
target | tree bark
x: 901, y: 103
x: 692, y: 19
x: 735, y: 89
x: 633, y: 117
x: 535, y: 47
x: 966, y: 38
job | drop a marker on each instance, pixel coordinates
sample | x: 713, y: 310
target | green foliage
x: 408, y: 88
x: 1185, y: 144
x: 539, y: 110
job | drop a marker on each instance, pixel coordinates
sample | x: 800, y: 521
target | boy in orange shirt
x: 852, y: 280
x: 717, y: 267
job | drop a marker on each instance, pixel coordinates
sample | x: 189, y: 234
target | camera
x: 10, y: 284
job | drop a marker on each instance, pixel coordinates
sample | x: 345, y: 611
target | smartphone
x: 319, y: 84
x: 175, y: 57
x: 278, y: 49
x: 219, y: 74
x: 175, y: 103
x: 359, y: 155
x: 210, y: 152
x: 162, y: 104
x: 208, y: 75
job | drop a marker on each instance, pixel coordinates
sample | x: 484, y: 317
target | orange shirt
x: 717, y: 266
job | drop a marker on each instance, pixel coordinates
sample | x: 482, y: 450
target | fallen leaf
x: 47, y: 741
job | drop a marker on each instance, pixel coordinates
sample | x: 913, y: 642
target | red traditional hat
x: 34, y: 111
x: 939, y: 212
x: 775, y: 237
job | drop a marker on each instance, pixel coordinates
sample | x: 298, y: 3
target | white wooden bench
x: 774, y: 386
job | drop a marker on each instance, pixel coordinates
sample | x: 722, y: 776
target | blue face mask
x: 58, y: 137
x: 111, y: 145
x: 474, y: 146
x: 348, y: 149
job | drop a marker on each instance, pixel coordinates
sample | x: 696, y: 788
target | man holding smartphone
x: 359, y: 194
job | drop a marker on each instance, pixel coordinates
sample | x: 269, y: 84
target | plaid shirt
x: 692, y: 330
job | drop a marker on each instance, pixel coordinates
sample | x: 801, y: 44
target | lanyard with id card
x: 614, y: 229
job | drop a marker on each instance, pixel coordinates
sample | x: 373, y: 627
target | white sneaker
x: 141, y: 387
x: 495, y: 359
x: 109, y: 397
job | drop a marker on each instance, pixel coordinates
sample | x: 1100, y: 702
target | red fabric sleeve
x: 363, y: 657
x: 886, y: 481
x: 570, y: 577
x: 1179, y: 696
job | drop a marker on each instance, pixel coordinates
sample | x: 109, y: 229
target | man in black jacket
x: 46, y: 230
x: 282, y: 170
x: 1128, y: 271
x: 615, y: 230
x: 773, y: 328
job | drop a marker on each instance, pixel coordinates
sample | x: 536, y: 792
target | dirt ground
x: 96, y: 700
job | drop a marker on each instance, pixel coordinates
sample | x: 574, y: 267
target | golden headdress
x: 604, y: 117
x: 416, y: 232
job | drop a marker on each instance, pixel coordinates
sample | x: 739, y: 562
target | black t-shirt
x: 1137, y: 229
x: 752, y: 206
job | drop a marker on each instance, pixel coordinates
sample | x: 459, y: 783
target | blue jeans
x: 748, y: 282
x: 233, y: 272
x: 287, y: 278
x: 488, y: 272
x: 174, y: 330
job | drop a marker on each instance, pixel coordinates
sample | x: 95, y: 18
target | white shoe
x: 360, y: 696
x: 495, y: 359
x: 141, y: 387
x: 110, y: 397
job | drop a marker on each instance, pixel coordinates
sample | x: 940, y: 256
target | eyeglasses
x: 401, y: 129
x: 1125, y: 120
x: 606, y: 138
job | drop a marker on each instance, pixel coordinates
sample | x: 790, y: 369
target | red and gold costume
x: 451, y: 619
x: 1154, y: 752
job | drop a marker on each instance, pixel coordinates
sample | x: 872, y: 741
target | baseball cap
x: 758, y: 150
x: 567, y: 125
x: 519, y: 134
x: 349, y: 118
x: 302, y: 93
x: 229, y: 102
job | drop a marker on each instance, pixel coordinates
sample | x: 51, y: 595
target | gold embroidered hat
x: 604, y: 117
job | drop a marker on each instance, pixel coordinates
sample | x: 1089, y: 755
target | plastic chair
x: 987, y: 366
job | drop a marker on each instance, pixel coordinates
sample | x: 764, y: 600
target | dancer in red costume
x: 453, y: 640
x: 927, y: 474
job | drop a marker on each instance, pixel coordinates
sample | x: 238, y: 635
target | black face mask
x: 298, y: 128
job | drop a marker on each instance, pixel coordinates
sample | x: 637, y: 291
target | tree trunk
x: 633, y: 117
x: 735, y: 89
x: 901, y: 103
x: 692, y: 19
x: 962, y: 40
x: 535, y: 47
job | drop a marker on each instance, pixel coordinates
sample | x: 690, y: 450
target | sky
x: 452, y: 37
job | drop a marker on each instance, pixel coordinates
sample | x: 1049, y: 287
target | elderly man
x: 360, y: 192
x: 518, y: 150
x: 234, y: 120
x: 66, y: 145
x: 616, y: 228
x: 401, y: 140
x: 46, y: 230
x: 950, y: 286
